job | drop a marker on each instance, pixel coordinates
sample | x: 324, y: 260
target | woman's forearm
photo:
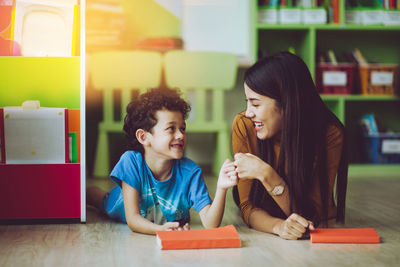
x: 271, y: 180
x: 261, y: 221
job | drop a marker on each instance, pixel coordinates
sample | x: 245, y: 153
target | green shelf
x: 334, y: 27
x: 377, y: 170
x: 360, y: 97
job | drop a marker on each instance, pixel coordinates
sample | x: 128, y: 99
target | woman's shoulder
x: 241, y: 120
x: 242, y: 124
x: 334, y: 134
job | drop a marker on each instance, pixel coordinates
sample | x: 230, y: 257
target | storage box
x: 290, y: 15
x: 314, y: 16
x: 365, y: 16
x: 391, y: 17
x: 268, y: 15
x: 335, y: 79
x: 378, y: 79
x: 382, y: 148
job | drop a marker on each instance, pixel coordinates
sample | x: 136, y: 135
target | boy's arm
x: 211, y: 215
x: 132, y: 213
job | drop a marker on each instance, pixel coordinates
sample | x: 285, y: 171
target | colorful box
x: 335, y: 79
x: 378, y: 79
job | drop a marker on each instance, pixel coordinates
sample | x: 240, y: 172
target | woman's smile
x: 258, y: 125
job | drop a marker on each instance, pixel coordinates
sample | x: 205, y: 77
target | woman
x: 289, y: 150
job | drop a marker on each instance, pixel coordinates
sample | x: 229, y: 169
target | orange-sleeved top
x: 244, y: 140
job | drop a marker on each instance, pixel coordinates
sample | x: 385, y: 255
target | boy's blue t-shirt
x: 160, y: 201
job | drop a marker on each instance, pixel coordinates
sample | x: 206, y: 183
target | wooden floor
x: 372, y: 202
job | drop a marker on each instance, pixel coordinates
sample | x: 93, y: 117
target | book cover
x: 344, y: 235
x: 222, y: 237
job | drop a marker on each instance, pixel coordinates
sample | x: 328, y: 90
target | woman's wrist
x: 264, y: 170
x: 276, y: 228
x: 269, y: 177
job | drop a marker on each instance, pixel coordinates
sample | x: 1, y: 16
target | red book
x: 344, y: 235
x: 222, y: 237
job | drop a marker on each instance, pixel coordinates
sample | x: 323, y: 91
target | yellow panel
x: 54, y: 81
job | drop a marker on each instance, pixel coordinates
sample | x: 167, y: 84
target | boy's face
x: 168, y: 137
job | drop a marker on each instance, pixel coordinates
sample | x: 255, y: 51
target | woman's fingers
x: 295, y: 226
x: 299, y: 219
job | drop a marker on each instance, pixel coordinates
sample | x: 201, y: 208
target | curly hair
x: 140, y: 113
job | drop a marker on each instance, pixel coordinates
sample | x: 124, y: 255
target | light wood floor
x: 372, y: 202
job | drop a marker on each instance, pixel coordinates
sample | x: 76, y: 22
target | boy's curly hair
x: 140, y: 113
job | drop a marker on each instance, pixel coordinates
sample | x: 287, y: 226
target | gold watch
x: 278, y: 189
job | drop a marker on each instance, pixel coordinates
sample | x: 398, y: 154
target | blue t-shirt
x: 160, y: 201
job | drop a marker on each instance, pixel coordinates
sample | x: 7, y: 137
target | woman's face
x: 263, y: 111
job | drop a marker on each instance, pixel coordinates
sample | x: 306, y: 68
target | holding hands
x: 249, y: 166
x: 227, y: 176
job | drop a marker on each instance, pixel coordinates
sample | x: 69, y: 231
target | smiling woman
x: 289, y: 148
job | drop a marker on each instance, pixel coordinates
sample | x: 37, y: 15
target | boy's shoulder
x: 187, y: 165
x: 132, y: 156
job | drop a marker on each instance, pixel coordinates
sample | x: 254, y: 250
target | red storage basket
x: 335, y: 79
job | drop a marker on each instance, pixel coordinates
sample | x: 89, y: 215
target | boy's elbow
x: 211, y: 225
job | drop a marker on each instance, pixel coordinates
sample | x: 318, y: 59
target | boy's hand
x: 174, y: 226
x: 227, y: 176
x: 170, y: 226
x: 184, y: 227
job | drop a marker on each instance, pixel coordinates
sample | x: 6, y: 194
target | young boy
x: 156, y: 185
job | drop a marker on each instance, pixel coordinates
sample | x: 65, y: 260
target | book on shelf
x: 222, y: 237
x: 344, y: 235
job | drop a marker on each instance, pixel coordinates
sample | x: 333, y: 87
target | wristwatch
x: 278, y: 189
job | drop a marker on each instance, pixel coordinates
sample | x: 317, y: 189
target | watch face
x: 278, y: 190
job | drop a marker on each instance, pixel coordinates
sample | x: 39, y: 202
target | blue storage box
x: 382, y: 148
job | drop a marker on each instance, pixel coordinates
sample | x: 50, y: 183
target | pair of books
x: 228, y: 237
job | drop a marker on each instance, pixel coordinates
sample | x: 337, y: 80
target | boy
x: 156, y: 185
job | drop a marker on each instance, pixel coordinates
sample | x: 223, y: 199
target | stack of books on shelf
x: 373, y: 12
x: 298, y: 11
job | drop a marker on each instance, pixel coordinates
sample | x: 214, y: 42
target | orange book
x: 222, y: 237
x: 344, y: 235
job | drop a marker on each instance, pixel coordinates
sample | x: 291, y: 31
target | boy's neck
x: 161, y: 168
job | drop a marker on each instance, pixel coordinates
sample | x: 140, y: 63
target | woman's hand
x: 293, y: 227
x: 249, y: 166
x: 227, y: 175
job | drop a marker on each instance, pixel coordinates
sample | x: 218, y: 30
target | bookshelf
x: 377, y: 42
x: 43, y: 192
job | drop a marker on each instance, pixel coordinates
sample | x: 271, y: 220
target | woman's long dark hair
x: 285, y: 77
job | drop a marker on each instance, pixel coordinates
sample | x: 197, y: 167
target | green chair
x: 202, y: 72
x: 126, y: 71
